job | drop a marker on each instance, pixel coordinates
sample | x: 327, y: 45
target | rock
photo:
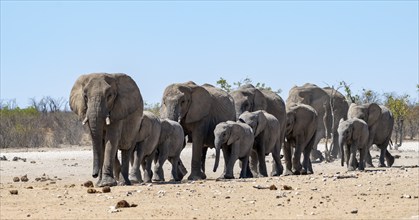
x: 88, y: 184
x: 24, y: 178
x: 354, y: 211
x: 16, y: 179
x: 227, y: 197
x: 91, y: 190
x: 122, y: 204
x: 286, y: 187
x: 405, y: 196
x: 273, y: 187
x: 106, y: 189
x: 13, y: 192
x: 3, y: 157
x: 33, y: 161
x: 29, y: 187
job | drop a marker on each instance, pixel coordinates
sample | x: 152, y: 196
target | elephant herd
x: 246, y: 124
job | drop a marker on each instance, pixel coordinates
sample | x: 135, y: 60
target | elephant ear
x: 200, y: 102
x: 77, y: 102
x: 306, y: 96
x: 128, y: 99
x: 374, y: 113
x: 290, y: 122
x: 259, y: 101
x: 234, y: 133
x: 262, y: 121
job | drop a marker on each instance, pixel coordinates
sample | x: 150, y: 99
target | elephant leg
x: 135, y: 172
x: 161, y: 156
x: 368, y: 159
x: 389, y: 158
x: 277, y: 168
x: 287, y: 155
x: 262, y: 164
x: 244, y: 166
x: 316, y: 154
x: 252, y: 170
x: 352, y: 158
x: 125, y: 157
x: 203, y: 158
x: 175, y: 168
x: 116, y: 168
x: 234, y: 156
x: 148, y: 173
x: 108, y: 162
x: 181, y: 169
x: 382, y: 155
x: 296, y: 160
x: 226, y: 156
x: 307, y: 168
x: 362, y: 154
x: 196, y: 165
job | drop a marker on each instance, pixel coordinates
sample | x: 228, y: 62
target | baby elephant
x: 236, y: 141
x: 170, y: 145
x: 353, y: 136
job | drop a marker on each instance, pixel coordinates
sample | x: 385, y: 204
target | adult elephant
x: 112, y: 106
x: 300, y: 134
x: 198, y: 109
x: 249, y: 98
x: 321, y: 99
x: 380, y: 126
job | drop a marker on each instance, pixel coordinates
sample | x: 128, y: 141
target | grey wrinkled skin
x: 236, y: 141
x: 266, y: 129
x: 300, y: 134
x: 353, y: 137
x: 380, y: 126
x: 170, y: 146
x: 198, y: 109
x: 249, y: 98
x: 319, y: 99
x: 146, y: 147
x: 112, y: 106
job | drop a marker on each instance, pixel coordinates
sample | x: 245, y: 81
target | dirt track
x: 330, y: 193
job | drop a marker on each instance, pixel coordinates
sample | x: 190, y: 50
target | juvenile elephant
x: 322, y: 100
x: 266, y: 130
x: 353, y: 136
x: 249, y: 98
x: 236, y: 140
x: 198, y: 109
x: 146, y: 146
x: 112, y: 106
x: 300, y: 134
x: 380, y: 126
x: 170, y: 146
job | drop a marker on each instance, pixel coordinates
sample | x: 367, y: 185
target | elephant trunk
x: 96, y: 125
x: 217, y: 153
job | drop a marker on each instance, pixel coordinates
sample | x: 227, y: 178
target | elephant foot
x: 197, y: 176
x: 390, y: 161
x: 288, y: 172
x: 296, y: 172
x: 275, y: 173
x: 227, y: 176
x: 303, y: 172
x: 381, y: 165
x: 107, y: 181
x: 310, y: 172
x: 158, y: 180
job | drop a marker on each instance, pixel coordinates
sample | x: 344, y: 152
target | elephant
x: 249, y: 98
x: 170, y: 145
x: 236, y: 140
x: 198, y: 109
x: 353, y: 136
x: 266, y: 130
x: 380, y: 126
x: 146, y: 146
x: 300, y: 134
x: 321, y: 99
x: 112, y: 106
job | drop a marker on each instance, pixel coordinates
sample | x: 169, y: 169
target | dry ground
x: 330, y: 193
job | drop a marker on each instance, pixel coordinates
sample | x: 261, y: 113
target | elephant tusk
x: 108, y: 120
x: 85, y: 121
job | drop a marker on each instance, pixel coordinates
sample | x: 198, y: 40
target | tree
x: 398, y: 105
x: 349, y: 96
x: 228, y: 88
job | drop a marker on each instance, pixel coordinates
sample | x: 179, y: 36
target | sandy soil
x: 55, y: 177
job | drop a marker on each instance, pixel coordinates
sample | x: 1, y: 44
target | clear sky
x: 46, y: 45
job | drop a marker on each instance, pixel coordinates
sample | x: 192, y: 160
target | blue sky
x: 46, y: 45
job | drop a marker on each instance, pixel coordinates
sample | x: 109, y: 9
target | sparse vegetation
x: 228, y: 88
